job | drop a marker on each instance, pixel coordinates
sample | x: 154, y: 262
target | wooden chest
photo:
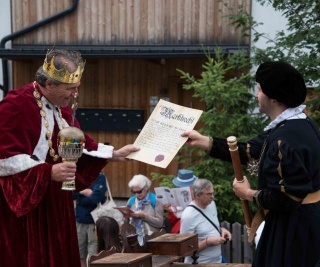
x: 125, y: 260
x: 173, y: 244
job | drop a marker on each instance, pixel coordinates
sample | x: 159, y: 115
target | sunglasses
x: 137, y: 192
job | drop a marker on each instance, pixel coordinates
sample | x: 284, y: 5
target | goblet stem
x: 69, y: 185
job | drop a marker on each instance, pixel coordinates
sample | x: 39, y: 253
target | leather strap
x: 256, y: 221
x: 292, y: 197
x: 260, y: 214
x: 312, y: 198
x: 205, y: 217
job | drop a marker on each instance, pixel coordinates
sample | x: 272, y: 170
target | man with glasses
x: 201, y: 217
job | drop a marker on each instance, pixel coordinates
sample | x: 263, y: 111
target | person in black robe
x: 287, y: 159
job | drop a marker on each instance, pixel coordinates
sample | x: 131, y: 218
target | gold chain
x: 253, y: 164
x: 43, y: 114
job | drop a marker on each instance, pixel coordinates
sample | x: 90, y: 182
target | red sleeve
x: 19, y: 133
x: 24, y: 191
x: 172, y: 218
x: 88, y: 169
x: 176, y: 228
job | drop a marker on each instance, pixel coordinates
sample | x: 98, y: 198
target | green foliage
x: 230, y: 105
x: 298, y: 45
x: 225, y: 86
x: 229, y: 101
x: 301, y: 45
x: 166, y: 180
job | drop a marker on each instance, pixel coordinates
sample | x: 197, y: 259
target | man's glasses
x: 209, y: 194
x: 137, y: 192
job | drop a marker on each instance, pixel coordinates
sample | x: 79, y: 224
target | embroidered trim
x: 253, y: 164
x: 103, y: 151
x: 16, y: 164
x: 280, y: 157
x: 210, y: 145
x: 45, y: 122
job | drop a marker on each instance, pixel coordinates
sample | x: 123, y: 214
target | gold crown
x: 62, y: 75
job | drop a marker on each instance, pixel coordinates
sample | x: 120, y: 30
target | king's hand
x: 120, y: 154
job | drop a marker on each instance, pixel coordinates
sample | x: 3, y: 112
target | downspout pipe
x: 30, y: 28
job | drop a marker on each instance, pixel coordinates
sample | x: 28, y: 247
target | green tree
x: 230, y: 102
x: 225, y: 86
x: 298, y: 44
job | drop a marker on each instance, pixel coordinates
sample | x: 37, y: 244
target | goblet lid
x: 71, y: 135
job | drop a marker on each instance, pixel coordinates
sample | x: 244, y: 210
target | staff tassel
x: 232, y: 143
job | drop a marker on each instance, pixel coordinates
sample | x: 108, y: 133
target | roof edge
x: 121, y: 51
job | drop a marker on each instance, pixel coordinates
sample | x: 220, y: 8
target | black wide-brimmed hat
x: 281, y: 81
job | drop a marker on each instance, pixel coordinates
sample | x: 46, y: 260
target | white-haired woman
x: 148, y: 213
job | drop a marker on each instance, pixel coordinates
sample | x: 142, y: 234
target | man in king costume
x: 37, y: 225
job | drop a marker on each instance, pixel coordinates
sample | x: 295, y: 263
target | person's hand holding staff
x: 232, y: 143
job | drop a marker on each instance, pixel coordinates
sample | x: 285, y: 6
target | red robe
x: 37, y: 220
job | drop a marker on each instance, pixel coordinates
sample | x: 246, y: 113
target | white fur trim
x: 41, y: 149
x: 22, y: 162
x: 104, y: 151
x: 16, y: 164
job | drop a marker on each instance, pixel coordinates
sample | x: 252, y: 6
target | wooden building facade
x: 133, y: 49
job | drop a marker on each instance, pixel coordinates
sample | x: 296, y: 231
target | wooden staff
x: 232, y: 142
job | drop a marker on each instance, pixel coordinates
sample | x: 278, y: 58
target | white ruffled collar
x: 288, y: 114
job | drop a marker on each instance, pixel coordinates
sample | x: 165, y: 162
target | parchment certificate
x: 160, y: 139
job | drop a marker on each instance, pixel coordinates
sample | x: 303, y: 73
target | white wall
x: 5, y: 29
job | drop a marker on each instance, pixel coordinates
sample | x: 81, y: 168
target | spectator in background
x: 185, y: 178
x: 148, y: 213
x: 86, y: 201
x: 113, y: 213
x: 108, y: 234
x: 193, y: 221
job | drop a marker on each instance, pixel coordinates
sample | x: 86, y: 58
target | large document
x: 160, y: 139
